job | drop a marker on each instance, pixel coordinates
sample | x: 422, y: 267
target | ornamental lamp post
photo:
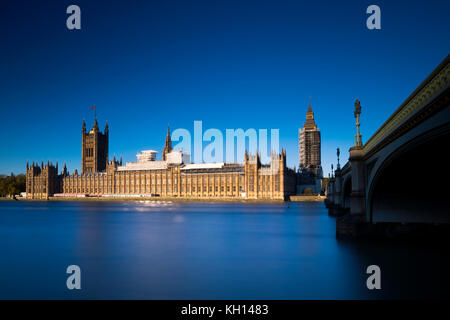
x: 338, y: 166
x: 358, y: 137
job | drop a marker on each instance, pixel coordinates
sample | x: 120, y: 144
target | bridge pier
x: 330, y: 193
x: 358, y: 195
x: 334, y: 200
x: 338, y: 209
x: 389, y: 185
x: 355, y: 223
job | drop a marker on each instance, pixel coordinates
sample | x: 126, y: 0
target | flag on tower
x: 95, y: 111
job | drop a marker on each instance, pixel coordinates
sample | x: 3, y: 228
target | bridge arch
x: 405, y: 186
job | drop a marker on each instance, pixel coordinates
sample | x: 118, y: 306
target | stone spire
x: 167, y: 145
x: 95, y: 127
x: 310, y: 124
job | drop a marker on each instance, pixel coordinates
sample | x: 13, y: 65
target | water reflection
x: 173, y: 250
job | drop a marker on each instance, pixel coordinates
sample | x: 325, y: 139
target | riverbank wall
x: 154, y: 199
x: 305, y: 198
x: 354, y: 227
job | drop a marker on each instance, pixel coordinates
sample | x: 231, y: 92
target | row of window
x: 101, y: 183
x: 158, y: 180
x: 188, y: 189
x: 89, y: 152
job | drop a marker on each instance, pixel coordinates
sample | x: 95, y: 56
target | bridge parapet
x: 437, y: 82
x: 423, y: 116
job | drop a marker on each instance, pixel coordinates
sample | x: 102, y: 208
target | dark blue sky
x: 232, y: 64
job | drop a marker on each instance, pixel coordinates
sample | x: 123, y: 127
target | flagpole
x: 95, y: 111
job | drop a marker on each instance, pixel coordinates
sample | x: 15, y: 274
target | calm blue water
x: 138, y: 250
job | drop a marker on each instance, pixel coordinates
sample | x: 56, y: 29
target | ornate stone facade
x: 309, y: 176
x: 309, y: 145
x: 42, y: 181
x: 171, y: 177
x: 94, y: 149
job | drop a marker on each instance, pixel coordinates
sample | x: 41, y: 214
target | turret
x: 95, y: 127
x: 94, y: 148
x: 167, y: 145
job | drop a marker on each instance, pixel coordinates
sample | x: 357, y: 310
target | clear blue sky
x: 232, y: 64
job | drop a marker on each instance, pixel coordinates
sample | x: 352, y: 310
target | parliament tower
x: 309, y: 146
x: 94, y: 148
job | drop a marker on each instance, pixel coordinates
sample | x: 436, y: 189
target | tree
x: 12, y: 185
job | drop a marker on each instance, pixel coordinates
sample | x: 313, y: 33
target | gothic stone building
x: 174, y: 176
x: 309, y: 145
x: 94, y: 149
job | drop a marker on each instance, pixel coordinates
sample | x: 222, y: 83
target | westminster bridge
x: 397, y: 176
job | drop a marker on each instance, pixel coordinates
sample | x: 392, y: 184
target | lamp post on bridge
x: 357, y: 112
x: 337, y: 209
x: 338, y: 166
x: 358, y: 194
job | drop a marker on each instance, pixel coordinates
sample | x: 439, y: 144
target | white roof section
x: 150, y: 165
x: 193, y: 166
x: 158, y: 165
x: 147, y: 161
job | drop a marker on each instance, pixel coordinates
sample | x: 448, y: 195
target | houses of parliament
x: 171, y: 177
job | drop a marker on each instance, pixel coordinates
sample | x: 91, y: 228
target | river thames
x: 189, y: 250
